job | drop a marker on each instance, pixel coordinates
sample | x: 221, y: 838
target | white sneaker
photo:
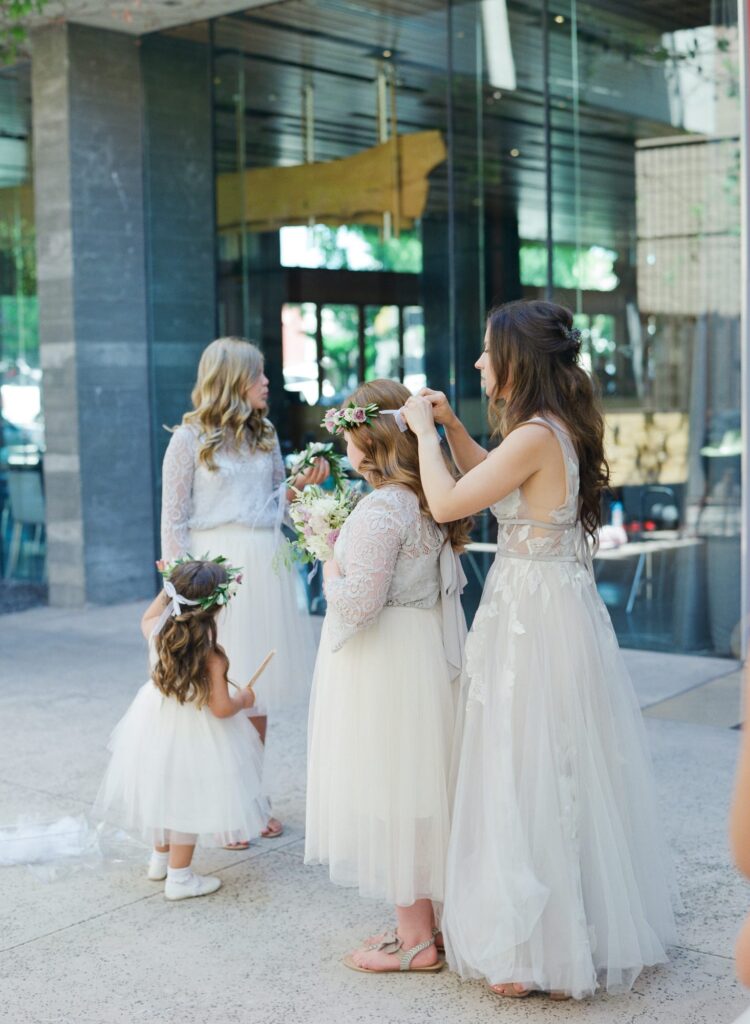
x: 157, y: 867
x: 196, y: 885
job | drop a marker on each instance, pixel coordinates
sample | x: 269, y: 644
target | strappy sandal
x: 272, y: 833
x: 523, y: 994
x: 439, y: 946
x: 557, y: 997
x: 392, y: 944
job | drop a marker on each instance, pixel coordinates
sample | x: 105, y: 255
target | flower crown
x: 338, y: 420
x: 220, y: 595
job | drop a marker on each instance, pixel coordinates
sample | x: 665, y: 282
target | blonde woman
x: 222, y: 485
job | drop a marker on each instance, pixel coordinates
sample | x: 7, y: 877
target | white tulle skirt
x: 267, y: 613
x: 381, y: 721
x: 180, y: 773
x: 558, y: 877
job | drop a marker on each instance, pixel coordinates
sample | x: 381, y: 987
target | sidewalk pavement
x: 100, y: 944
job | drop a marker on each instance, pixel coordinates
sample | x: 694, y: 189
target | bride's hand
x: 419, y: 415
x: 315, y: 474
x: 441, y: 408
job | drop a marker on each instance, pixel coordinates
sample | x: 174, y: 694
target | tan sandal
x: 557, y: 997
x: 523, y: 994
x: 439, y: 946
x: 392, y: 944
x: 272, y: 833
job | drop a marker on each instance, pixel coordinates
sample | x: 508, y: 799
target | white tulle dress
x: 382, y: 710
x: 178, y: 773
x: 234, y: 511
x: 557, y: 876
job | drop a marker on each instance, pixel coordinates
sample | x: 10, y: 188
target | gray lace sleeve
x: 178, y: 471
x: 374, y: 536
x: 279, y: 471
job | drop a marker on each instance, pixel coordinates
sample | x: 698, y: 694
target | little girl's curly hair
x: 185, y: 641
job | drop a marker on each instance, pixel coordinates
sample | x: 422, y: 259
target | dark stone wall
x: 88, y: 147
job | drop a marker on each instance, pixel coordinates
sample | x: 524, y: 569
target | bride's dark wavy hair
x: 534, y: 348
x: 186, y: 640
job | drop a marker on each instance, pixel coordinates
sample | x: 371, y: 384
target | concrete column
x: 88, y: 147
x: 180, y: 225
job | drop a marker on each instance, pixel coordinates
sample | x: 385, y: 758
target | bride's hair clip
x: 221, y: 594
x: 572, y: 334
x: 336, y: 421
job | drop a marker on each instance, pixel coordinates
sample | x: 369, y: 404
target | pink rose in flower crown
x: 330, y: 419
x: 359, y: 415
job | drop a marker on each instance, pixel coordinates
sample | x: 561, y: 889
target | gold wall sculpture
x: 358, y: 189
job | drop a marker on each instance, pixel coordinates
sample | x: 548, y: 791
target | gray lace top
x: 389, y: 554
x: 243, y: 489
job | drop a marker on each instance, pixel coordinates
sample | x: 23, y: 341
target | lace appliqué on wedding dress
x: 388, y: 554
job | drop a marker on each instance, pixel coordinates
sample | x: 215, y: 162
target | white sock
x: 160, y: 856
x: 180, y: 875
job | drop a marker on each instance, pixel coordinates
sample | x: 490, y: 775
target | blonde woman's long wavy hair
x: 186, y: 640
x: 226, y: 369
x: 391, y: 455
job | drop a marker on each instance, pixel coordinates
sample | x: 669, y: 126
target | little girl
x: 557, y: 872
x: 382, y: 711
x: 186, y: 765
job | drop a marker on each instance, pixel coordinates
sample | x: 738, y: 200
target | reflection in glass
x: 382, y: 348
x: 340, y: 362
x: 22, y: 537
x: 414, y: 345
x: 299, y: 329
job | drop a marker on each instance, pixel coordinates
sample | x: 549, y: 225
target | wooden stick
x: 261, y: 668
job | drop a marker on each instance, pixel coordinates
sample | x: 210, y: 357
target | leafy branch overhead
x: 14, y: 33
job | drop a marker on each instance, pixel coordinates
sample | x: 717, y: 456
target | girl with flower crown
x: 382, y: 709
x: 223, y: 492
x: 186, y: 763
x: 557, y: 872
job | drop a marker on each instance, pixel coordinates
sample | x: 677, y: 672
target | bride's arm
x: 178, y: 473
x: 465, y: 451
x: 505, y: 469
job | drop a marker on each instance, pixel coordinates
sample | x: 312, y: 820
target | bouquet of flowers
x: 301, y: 461
x: 317, y: 517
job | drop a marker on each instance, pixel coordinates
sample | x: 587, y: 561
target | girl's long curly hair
x: 226, y: 369
x: 392, y: 455
x: 532, y: 350
x: 186, y: 640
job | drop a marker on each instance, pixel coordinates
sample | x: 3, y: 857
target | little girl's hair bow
x: 173, y: 606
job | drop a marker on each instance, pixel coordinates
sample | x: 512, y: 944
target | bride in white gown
x: 557, y: 873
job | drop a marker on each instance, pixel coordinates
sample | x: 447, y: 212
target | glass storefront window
x: 376, y: 193
x: 22, y: 536
x: 340, y: 362
x: 299, y: 331
x: 661, y: 200
x: 382, y: 346
x: 414, y: 344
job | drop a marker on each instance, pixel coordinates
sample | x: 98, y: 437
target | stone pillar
x: 180, y: 224
x: 88, y: 151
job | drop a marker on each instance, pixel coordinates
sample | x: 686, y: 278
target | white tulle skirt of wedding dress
x: 557, y: 874
x: 381, y: 722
